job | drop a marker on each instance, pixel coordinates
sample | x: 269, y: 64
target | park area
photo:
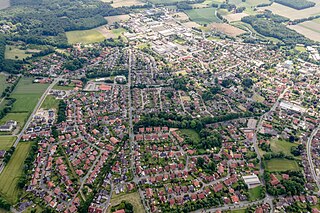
x: 203, y: 16
x: 278, y: 165
x: 10, y: 175
x: 133, y: 198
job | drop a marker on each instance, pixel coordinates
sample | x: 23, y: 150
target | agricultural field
x: 110, y: 33
x: 282, y: 146
x: 15, y: 53
x: 58, y: 87
x: 310, y: 29
x: 84, y: 36
x: 277, y: 165
x: 27, y: 95
x: 6, y: 142
x: 112, y: 19
x: 248, y: 3
x: 227, y: 29
x: 181, y: 16
x: 50, y: 103
x: 235, y: 17
x: 121, y: 3
x: 164, y: 1
x: 10, y: 176
x: 4, y: 4
x: 293, y: 13
x: 133, y: 198
x: 203, y: 16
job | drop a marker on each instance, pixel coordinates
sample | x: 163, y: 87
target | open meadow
x: 203, y: 16
x: 15, y: 53
x: 227, y: 29
x: 6, y: 142
x: 10, y: 176
x: 278, y: 165
x: 133, y: 198
x: 50, y: 103
x: 282, y: 146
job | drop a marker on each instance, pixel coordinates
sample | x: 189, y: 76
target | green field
x: 84, y: 36
x: 164, y: 2
x: 203, y: 16
x: 132, y: 198
x: 277, y: 165
x: 11, y: 173
x: 57, y: 87
x: 6, y: 142
x: 282, y: 146
x: 15, y: 53
x: 19, y: 117
x: 50, y: 103
x: 3, y: 84
x: 27, y: 95
x: 248, y: 3
x: 193, y: 135
x: 255, y: 193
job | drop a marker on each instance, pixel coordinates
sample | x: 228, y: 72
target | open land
x: 6, y: 142
x: 203, y: 16
x: 310, y: 29
x: 227, y: 29
x: 14, y: 52
x: 84, y: 36
x: 132, y: 198
x: 275, y: 165
x: 10, y: 176
x: 112, y: 19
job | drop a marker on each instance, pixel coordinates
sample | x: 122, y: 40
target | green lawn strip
x: 10, y: 176
x: 278, y: 165
x: 255, y: 193
x: 6, y: 142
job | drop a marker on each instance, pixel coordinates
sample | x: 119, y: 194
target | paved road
x: 314, y: 175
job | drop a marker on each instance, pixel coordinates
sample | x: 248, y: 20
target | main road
x: 309, y: 142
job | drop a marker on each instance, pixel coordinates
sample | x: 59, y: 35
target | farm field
x: 248, y: 3
x: 6, y: 142
x: 235, y: 17
x: 203, y: 16
x: 132, y: 198
x: 227, y: 29
x: 293, y: 13
x: 121, y: 3
x: 15, y: 53
x: 27, y: 95
x: 107, y: 33
x: 310, y: 29
x: 282, y: 146
x: 276, y: 165
x: 50, y: 103
x: 84, y: 36
x: 113, y: 19
x: 164, y: 1
x: 11, y: 173
x: 4, y: 4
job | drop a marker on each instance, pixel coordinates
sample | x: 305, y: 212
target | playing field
x: 11, y: 173
x: 6, y: 142
x: 84, y: 36
x: 277, y: 165
x: 203, y: 16
x: 15, y: 53
x: 133, y: 198
x: 27, y: 95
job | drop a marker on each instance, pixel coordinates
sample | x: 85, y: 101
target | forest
x: 296, y: 4
x: 45, y: 22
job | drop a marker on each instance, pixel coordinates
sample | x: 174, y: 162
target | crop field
x: 132, y: 198
x: 293, y: 13
x: 248, y: 3
x: 6, y: 142
x: 15, y: 53
x: 10, y: 176
x: 121, y: 3
x: 203, y: 16
x: 107, y: 33
x: 227, y: 29
x: 84, y: 36
x: 235, y: 17
x: 4, y: 4
x: 27, y: 95
x: 310, y: 29
x: 113, y: 19
x: 277, y: 165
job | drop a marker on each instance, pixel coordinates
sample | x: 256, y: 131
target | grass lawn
x: 11, y: 173
x: 192, y: 134
x: 19, y: 117
x: 15, y: 53
x: 27, y: 95
x: 280, y: 145
x: 133, y: 198
x: 6, y: 142
x: 57, y: 87
x: 203, y: 16
x: 277, y: 165
x: 50, y: 103
x: 301, y: 49
x: 3, y: 84
x: 255, y: 193
x: 258, y: 98
x: 84, y: 36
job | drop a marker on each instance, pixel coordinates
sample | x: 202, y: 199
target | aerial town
x: 166, y: 118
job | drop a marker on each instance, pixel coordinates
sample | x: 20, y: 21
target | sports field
x: 277, y: 165
x: 84, y: 36
x: 203, y: 15
x: 6, y: 142
x: 11, y: 173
